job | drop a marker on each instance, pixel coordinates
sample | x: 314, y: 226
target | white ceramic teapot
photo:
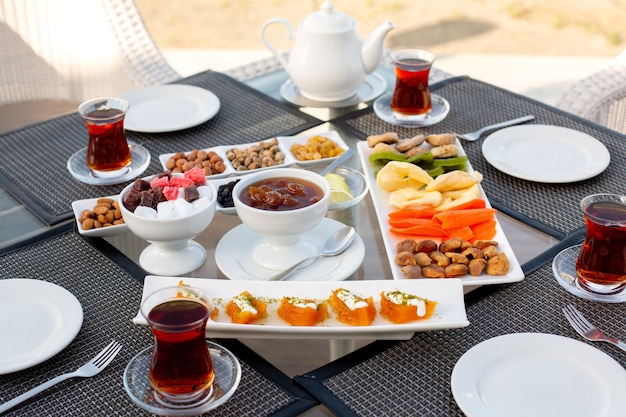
x: 328, y: 61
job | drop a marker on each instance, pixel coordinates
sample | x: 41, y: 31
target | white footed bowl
x: 284, y: 232
x: 172, y: 250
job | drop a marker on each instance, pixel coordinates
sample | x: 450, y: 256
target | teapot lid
x: 327, y: 20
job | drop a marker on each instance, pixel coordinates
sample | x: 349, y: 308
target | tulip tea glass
x: 601, y: 264
x: 411, y: 94
x: 181, y: 371
x: 108, y: 154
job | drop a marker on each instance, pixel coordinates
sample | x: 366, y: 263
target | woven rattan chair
x: 72, y: 50
x: 601, y: 97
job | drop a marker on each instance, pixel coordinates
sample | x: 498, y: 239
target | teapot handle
x: 269, y: 46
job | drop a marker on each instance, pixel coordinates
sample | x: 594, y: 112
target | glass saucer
x: 439, y: 111
x: 564, y: 269
x: 79, y: 169
x: 373, y: 86
x: 138, y: 387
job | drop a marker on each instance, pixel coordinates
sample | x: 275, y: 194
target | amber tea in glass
x: 411, y: 94
x: 181, y: 370
x: 601, y: 264
x: 108, y: 154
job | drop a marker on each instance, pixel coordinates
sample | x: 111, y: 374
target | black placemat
x: 394, y: 378
x: 110, y: 295
x: 33, y: 159
x: 552, y: 208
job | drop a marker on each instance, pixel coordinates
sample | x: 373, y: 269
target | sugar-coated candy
x: 141, y: 185
x: 170, y: 193
x: 159, y: 182
x: 196, y: 175
x: 145, y: 198
x: 200, y: 204
x: 183, y: 207
x: 191, y: 193
x: 166, y: 210
x: 144, y: 211
x: 180, y: 182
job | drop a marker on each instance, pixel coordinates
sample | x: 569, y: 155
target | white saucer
x: 139, y: 389
x: 373, y: 86
x: 564, y: 269
x: 233, y: 256
x: 38, y: 318
x: 539, y: 375
x: 169, y: 107
x: 439, y: 111
x: 547, y: 154
x: 77, y: 165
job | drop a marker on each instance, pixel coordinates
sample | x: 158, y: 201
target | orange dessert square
x: 399, y: 307
x: 352, y: 309
x: 244, y: 308
x: 302, y: 312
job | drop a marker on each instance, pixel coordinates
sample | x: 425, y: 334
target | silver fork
x: 91, y: 368
x: 588, y: 330
x: 471, y: 137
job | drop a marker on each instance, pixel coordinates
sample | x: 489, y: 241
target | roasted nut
x: 473, y: 253
x: 458, y: 258
x: 455, y: 270
x: 477, y: 266
x: 440, y: 258
x: 412, y: 271
x: 422, y: 259
x: 88, y: 224
x: 433, y: 271
x: 407, y: 245
x: 450, y: 245
x: 210, y: 162
x: 426, y: 246
x: 405, y: 258
x: 498, y: 265
x: 490, y: 252
x: 484, y: 243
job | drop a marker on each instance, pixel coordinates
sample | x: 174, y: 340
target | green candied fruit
x: 421, y: 159
x: 383, y: 157
x: 435, y: 171
x: 457, y: 161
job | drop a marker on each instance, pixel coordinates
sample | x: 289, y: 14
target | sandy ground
x: 554, y: 27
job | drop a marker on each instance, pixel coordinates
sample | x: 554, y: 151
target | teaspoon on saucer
x: 334, y: 245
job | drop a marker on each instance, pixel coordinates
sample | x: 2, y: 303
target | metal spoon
x: 334, y: 245
x: 347, y: 154
x: 471, y: 137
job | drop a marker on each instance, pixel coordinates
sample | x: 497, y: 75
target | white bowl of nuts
x: 169, y: 213
x: 99, y: 217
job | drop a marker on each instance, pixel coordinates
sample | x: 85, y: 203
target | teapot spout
x: 372, y: 46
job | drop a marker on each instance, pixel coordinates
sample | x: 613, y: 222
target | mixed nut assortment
x: 262, y: 155
x: 450, y: 259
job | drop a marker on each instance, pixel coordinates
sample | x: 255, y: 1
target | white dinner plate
x: 170, y: 107
x: 382, y: 207
x: 233, y: 256
x: 549, y: 154
x: 38, y: 319
x: 535, y: 374
x: 448, y: 293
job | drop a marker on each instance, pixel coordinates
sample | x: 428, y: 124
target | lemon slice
x: 339, y: 190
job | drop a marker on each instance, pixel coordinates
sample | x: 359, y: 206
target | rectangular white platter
x: 449, y: 312
x: 284, y: 144
x: 380, y: 199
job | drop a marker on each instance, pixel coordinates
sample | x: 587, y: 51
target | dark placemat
x: 33, y: 159
x: 395, y: 377
x: 110, y: 296
x: 552, y: 208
